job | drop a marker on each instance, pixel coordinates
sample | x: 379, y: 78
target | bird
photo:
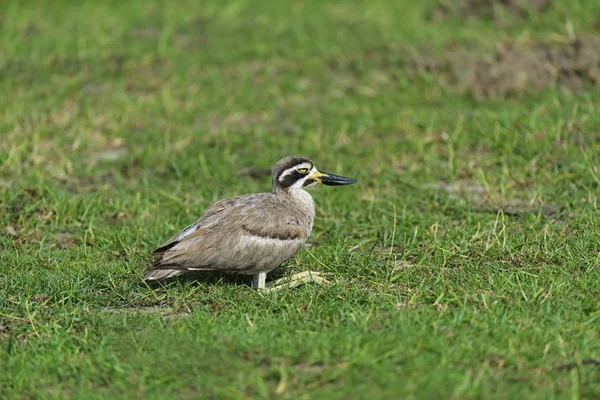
x: 251, y: 234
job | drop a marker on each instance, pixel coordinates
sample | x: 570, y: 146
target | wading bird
x: 250, y: 234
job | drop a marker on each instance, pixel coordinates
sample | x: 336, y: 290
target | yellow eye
x: 303, y: 170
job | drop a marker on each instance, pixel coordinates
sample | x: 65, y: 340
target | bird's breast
x: 303, y: 213
x: 304, y: 202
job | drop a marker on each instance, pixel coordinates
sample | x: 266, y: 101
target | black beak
x: 334, y: 180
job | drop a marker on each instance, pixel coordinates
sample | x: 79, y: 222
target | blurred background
x: 106, y: 95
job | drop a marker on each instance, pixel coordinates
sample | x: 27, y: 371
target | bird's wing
x: 210, y: 218
x: 230, y: 234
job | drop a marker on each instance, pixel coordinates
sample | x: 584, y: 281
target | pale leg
x: 258, y: 280
x: 297, y: 279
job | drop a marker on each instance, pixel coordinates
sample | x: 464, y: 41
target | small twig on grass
x: 570, y: 365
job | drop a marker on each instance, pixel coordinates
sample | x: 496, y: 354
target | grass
x: 465, y: 262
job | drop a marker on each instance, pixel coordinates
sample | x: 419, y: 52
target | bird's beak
x: 331, y: 179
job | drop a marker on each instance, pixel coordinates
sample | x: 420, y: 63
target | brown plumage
x: 250, y: 234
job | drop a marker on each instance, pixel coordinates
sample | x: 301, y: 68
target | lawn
x: 464, y: 264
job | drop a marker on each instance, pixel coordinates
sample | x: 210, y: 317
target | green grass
x: 121, y: 121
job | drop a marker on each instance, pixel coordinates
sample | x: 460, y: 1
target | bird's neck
x: 302, y: 206
x: 300, y: 196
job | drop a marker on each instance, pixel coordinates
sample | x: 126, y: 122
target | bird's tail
x: 158, y: 274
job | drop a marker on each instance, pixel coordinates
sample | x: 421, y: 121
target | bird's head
x: 299, y: 172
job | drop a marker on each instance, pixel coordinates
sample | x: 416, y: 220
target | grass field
x: 464, y: 264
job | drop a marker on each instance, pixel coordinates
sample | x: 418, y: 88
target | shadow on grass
x: 212, y: 278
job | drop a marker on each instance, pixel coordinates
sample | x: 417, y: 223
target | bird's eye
x: 303, y: 170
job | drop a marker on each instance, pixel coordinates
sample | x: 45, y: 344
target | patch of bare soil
x: 515, y: 70
x: 65, y: 240
x: 481, y: 200
x: 151, y: 310
x: 486, y: 8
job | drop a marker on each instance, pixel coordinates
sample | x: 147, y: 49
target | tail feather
x: 158, y: 274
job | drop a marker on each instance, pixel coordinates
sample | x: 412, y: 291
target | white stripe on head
x: 293, y: 169
x: 299, y: 184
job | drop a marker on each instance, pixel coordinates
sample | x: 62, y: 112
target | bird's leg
x: 258, y: 280
x: 297, y: 279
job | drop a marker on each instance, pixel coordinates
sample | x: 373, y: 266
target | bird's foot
x: 296, y: 280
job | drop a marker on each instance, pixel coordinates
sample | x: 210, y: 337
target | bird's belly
x: 252, y: 254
